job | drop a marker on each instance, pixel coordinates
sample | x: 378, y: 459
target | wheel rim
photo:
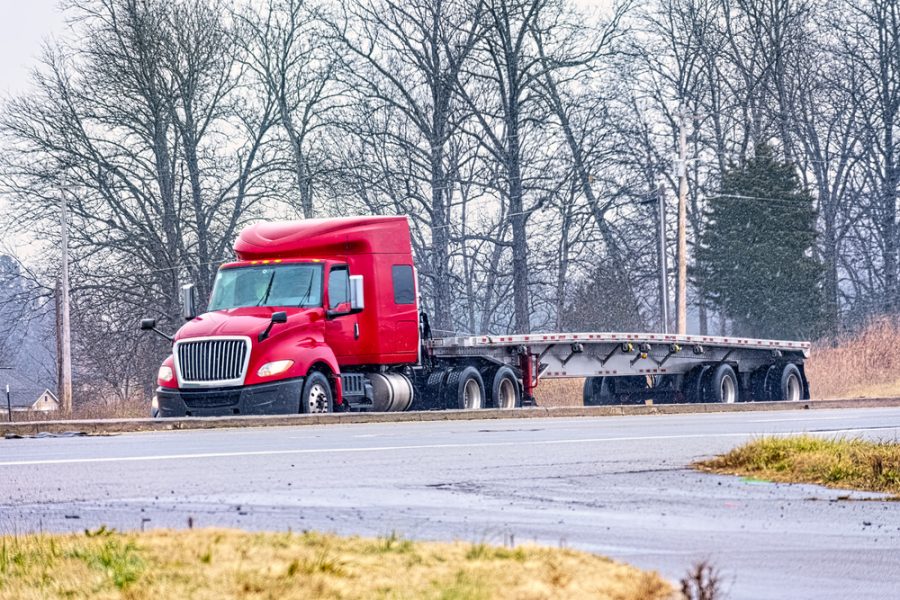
x: 506, y: 394
x: 317, y: 401
x: 472, y: 395
x: 728, y: 390
x: 793, y: 388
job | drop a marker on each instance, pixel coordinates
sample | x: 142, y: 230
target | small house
x: 25, y: 395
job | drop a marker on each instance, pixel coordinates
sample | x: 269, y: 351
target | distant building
x: 25, y: 395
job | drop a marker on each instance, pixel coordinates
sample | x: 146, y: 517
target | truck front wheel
x: 316, y: 396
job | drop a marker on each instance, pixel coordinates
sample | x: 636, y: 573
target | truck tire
x: 762, y: 382
x: 693, y: 385
x: 593, y: 387
x: 433, y: 391
x: 505, y: 393
x: 722, y: 386
x: 596, y: 391
x: 316, y: 396
x: 791, y: 384
x: 464, y: 389
x: 628, y: 389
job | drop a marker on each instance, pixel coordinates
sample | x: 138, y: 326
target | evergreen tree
x: 756, y: 256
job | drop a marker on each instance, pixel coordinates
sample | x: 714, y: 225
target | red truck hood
x: 248, y: 320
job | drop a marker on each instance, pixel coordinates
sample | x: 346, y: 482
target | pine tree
x: 756, y: 256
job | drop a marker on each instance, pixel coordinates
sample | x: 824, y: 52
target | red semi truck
x: 323, y: 315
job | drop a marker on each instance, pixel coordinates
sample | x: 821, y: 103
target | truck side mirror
x: 277, y: 317
x: 356, y: 293
x: 150, y: 325
x: 188, y: 302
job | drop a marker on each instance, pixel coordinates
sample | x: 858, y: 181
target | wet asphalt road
x: 615, y: 485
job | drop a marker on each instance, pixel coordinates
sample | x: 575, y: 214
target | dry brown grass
x: 90, y: 410
x: 842, y: 463
x: 864, y: 365
x: 218, y: 564
x: 560, y: 392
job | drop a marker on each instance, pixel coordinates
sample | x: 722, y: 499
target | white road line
x: 800, y: 419
x: 113, y: 459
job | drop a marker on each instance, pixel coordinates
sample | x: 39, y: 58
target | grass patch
x: 232, y: 564
x: 840, y: 462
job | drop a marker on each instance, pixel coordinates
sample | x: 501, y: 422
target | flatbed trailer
x: 633, y: 367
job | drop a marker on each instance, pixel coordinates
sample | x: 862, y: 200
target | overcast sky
x: 24, y: 25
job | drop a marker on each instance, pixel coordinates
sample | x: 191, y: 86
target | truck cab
x: 313, y: 316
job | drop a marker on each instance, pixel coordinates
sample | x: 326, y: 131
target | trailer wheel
x: 593, y: 388
x: 464, y: 389
x: 762, y: 382
x: 692, y: 385
x: 791, y: 384
x: 505, y: 392
x: 597, y: 391
x: 629, y: 389
x: 722, y: 386
x: 316, y: 396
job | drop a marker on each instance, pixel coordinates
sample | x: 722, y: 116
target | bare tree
x: 139, y: 129
x: 288, y: 51
x: 405, y: 58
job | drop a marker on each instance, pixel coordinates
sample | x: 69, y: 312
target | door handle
x: 356, y: 331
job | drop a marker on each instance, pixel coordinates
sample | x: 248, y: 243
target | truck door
x: 341, y: 332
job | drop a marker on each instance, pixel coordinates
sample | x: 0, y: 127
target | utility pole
x: 681, y: 308
x: 8, y: 401
x: 64, y: 331
x: 663, y: 269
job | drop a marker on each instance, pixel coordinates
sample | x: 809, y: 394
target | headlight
x: 165, y: 373
x: 274, y: 368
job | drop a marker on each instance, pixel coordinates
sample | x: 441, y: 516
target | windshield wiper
x: 268, y: 289
x: 305, y: 297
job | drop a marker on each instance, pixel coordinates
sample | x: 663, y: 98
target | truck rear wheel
x: 316, y: 396
x: 433, y: 392
x: 464, y: 389
x: 505, y: 389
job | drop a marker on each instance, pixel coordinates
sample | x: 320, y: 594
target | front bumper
x: 276, y: 398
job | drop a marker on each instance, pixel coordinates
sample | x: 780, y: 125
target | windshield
x: 269, y: 285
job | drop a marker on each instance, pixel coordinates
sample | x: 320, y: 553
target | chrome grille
x: 213, y: 360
